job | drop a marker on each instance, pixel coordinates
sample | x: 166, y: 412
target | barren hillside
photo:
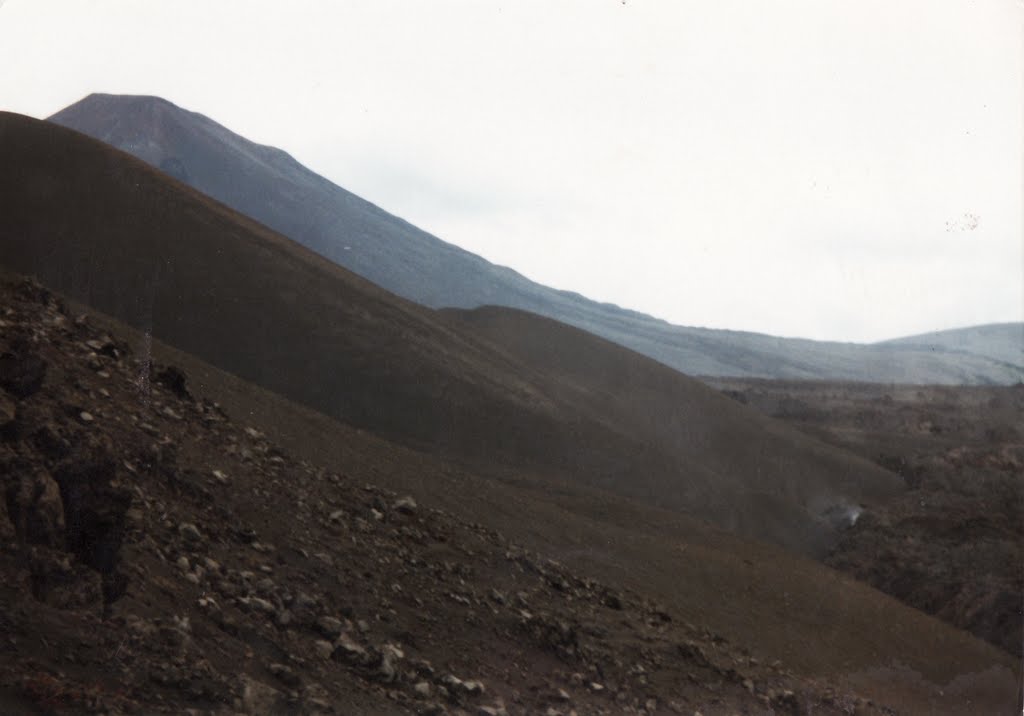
x: 118, y: 235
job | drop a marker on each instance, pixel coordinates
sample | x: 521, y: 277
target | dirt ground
x: 152, y: 563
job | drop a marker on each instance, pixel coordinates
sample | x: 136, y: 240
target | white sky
x: 847, y: 170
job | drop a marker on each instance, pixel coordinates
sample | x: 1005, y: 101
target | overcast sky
x: 843, y: 170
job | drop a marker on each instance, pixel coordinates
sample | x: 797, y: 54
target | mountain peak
x: 184, y: 144
x: 104, y: 104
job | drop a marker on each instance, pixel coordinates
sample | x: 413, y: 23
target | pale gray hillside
x: 999, y: 341
x: 271, y: 187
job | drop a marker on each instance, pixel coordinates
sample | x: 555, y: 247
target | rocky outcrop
x: 35, y: 507
x: 60, y: 494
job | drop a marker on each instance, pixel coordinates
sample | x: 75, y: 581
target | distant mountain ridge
x: 270, y: 186
x: 1002, y: 342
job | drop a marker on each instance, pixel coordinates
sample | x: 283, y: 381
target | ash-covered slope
x: 647, y: 401
x: 145, y: 567
x: 114, y: 233
x: 271, y: 187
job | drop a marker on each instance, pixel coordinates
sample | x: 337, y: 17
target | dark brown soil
x: 157, y: 558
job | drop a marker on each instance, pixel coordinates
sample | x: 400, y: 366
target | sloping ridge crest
x: 110, y: 231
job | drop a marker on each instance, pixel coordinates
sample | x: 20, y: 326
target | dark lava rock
x: 35, y: 508
x: 94, y: 508
x: 174, y: 380
x: 21, y: 371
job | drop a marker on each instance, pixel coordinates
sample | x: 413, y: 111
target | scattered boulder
x: 331, y: 627
x: 190, y: 532
x: 422, y: 667
x: 323, y: 649
x: 259, y: 698
x: 265, y: 587
x: 36, y: 509
x: 457, y: 686
x: 612, y: 601
x: 21, y: 370
x: 303, y: 609
x: 94, y: 508
x: 7, y: 531
x: 258, y: 604
x: 692, y: 651
x: 286, y: 675
x: 8, y: 410
x: 405, y: 505
x: 174, y: 380
x: 389, y: 658
x: 346, y: 649
x: 62, y: 582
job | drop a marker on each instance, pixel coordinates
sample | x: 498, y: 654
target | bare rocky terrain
x: 159, y: 557
x: 953, y: 544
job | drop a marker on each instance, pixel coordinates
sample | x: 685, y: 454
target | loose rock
x: 36, y: 509
x: 330, y: 627
x: 190, y: 532
x: 8, y: 410
x: 406, y: 505
x: 347, y: 649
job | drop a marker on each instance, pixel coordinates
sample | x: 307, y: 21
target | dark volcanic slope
x: 647, y: 401
x: 114, y: 233
x: 268, y: 185
x: 145, y: 568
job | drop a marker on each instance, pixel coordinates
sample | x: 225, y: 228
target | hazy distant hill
x: 1002, y: 342
x: 271, y: 187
